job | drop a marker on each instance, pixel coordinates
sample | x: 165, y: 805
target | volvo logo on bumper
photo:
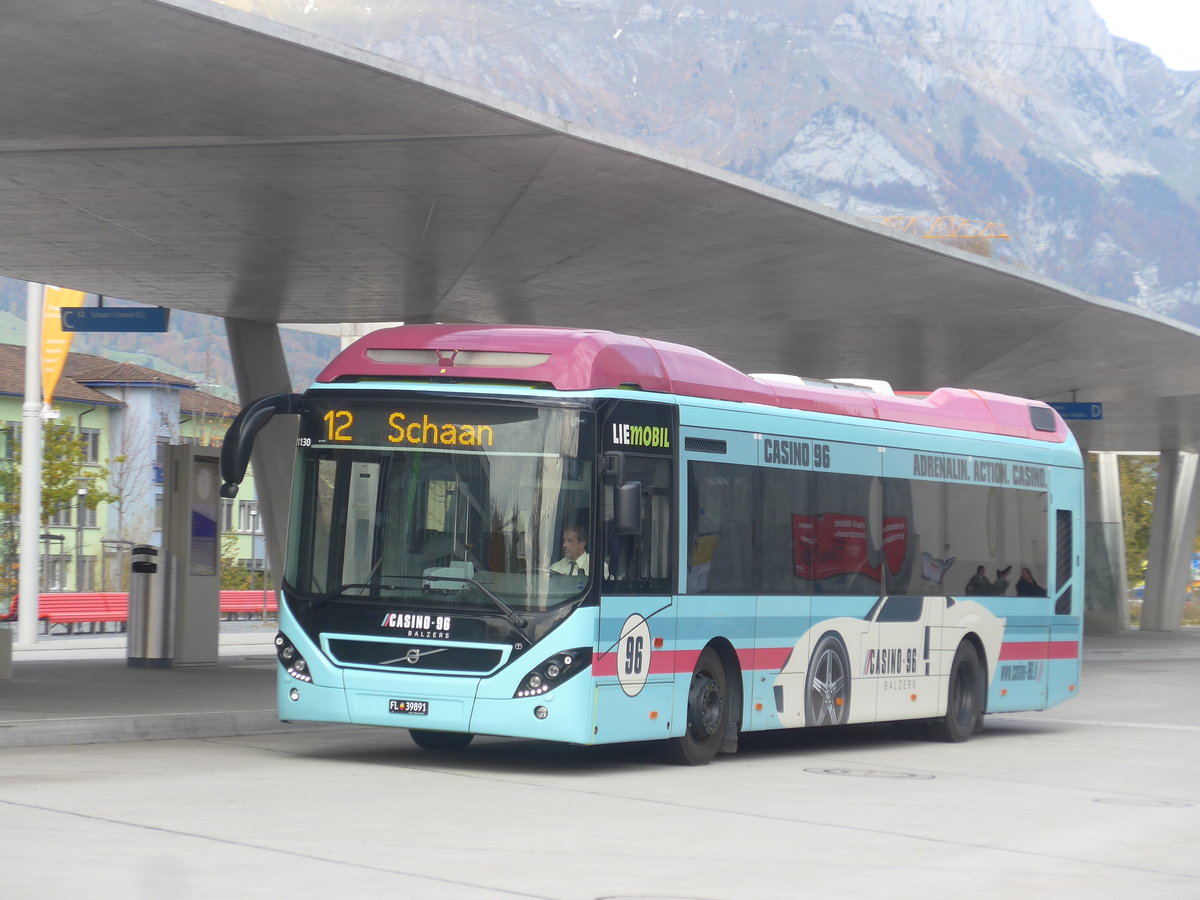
x: 412, y: 656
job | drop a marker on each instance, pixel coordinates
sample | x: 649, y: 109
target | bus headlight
x: 291, y: 660
x: 554, y: 671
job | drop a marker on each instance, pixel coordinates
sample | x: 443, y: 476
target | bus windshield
x: 438, y: 504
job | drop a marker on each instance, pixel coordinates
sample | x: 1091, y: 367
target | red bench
x: 71, y: 609
x: 235, y: 604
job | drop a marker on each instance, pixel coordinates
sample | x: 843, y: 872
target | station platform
x: 81, y: 690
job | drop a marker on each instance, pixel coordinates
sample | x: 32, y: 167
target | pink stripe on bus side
x: 1040, y: 650
x: 677, y: 661
x: 773, y: 659
x: 661, y: 661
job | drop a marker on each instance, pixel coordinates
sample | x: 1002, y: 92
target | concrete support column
x: 261, y: 369
x: 1172, y: 537
x: 1106, y: 609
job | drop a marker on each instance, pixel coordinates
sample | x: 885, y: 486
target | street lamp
x: 265, y: 566
x: 81, y: 494
x: 47, y: 560
x: 258, y: 541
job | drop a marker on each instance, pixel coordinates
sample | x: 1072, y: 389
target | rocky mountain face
x: 1027, y: 113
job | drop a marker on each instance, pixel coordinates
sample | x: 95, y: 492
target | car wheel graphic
x: 827, y: 685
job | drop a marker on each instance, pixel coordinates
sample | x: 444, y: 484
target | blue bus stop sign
x: 116, y: 318
x: 1078, y: 411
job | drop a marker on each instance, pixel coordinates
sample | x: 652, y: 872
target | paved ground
x: 1099, y: 797
x: 68, y: 690
x: 81, y: 690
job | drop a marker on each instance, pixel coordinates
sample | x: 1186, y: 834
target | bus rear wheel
x: 707, y: 713
x: 440, y: 740
x: 965, y: 701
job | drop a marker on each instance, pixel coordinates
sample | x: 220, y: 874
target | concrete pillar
x: 6, y: 644
x: 1106, y: 610
x: 1172, y: 537
x: 261, y: 369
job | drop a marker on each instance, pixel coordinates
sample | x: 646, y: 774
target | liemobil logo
x: 624, y: 435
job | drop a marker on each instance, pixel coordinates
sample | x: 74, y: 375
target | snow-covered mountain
x: 1027, y: 113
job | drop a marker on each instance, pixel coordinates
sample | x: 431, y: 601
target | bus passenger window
x: 721, y: 522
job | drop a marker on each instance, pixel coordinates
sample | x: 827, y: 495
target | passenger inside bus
x: 1027, y: 585
x: 981, y: 585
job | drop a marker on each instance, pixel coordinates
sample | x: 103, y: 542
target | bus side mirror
x: 239, y: 439
x: 628, y: 512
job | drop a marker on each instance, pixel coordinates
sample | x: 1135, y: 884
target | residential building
x: 125, y: 415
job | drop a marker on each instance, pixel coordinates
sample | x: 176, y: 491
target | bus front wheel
x: 440, y: 740
x: 965, y: 701
x: 707, y: 713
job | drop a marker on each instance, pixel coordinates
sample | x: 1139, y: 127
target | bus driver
x: 576, y: 559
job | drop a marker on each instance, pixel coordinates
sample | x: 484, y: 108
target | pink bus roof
x: 577, y: 359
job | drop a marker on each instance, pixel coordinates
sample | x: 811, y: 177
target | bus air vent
x: 705, y: 445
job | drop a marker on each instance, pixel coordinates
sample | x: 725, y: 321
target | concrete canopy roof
x: 183, y: 154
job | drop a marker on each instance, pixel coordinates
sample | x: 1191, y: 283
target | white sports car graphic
x: 894, y: 663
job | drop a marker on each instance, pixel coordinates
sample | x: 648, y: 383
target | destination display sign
x: 404, y: 424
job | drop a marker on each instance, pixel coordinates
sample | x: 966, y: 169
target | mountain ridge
x: 1028, y: 113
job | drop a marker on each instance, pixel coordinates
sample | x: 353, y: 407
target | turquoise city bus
x: 574, y: 535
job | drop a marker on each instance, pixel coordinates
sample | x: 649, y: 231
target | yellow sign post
x: 56, y: 343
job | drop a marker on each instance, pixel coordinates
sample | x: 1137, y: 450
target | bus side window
x: 722, y: 519
x: 640, y: 563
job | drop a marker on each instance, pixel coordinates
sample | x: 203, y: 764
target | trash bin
x: 150, y: 626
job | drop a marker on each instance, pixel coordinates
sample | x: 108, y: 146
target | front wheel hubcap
x: 704, y: 704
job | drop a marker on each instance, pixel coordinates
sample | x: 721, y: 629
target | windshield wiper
x: 322, y: 599
x: 515, y: 619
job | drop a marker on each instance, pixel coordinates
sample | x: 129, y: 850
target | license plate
x: 409, y: 707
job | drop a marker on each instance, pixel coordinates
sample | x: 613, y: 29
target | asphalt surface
x: 1098, y: 797
x: 79, y: 690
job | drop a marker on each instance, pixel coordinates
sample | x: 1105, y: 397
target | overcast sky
x: 1171, y: 28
